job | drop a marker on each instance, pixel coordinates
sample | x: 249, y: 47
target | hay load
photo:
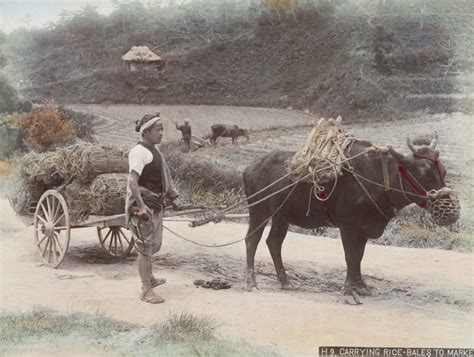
x: 108, y: 194
x: 82, y: 162
x: 105, y: 196
x: 70, y: 170
x: 323, y: 152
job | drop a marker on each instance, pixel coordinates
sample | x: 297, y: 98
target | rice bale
x: 108, y: 194
x: 83, y: 162
x: 78, y: 198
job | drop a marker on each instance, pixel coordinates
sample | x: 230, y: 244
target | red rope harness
x: 403, y: 173
x: 436, y: 162
x: 322, y: 195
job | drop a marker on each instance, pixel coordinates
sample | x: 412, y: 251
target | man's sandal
x: 154, y: 299
x: 157, y: 282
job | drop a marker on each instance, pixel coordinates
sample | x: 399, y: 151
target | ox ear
x: 396, y: 155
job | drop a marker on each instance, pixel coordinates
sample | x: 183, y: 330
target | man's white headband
x: 149, y: 124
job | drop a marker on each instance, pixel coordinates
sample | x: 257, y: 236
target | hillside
x: 380, y: 59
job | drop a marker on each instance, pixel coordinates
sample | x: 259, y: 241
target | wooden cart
x: 52, y: 230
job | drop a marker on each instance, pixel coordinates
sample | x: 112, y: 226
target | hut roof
x: 142, y: 54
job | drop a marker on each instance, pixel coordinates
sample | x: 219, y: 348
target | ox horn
x: 434, y: 141
x: 410, y: 145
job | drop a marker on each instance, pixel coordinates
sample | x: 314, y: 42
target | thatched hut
x: 141, y: 58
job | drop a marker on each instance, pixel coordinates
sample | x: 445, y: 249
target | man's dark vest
x: 151, y: 174
x: 185, y: 130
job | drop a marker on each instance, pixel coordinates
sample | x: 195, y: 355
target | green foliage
x: 42, y: 322
x: 10, y: 137
x: 9, y: 100
x: 185, y: 325
x: 181, y: 335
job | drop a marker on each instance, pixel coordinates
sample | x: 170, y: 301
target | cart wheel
x: 116, y: 242
x: 52, y: 228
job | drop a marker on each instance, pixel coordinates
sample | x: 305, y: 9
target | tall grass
x: 182, y: 334
x: 185, y: 325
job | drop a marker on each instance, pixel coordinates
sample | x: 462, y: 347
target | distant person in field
x: 149, y: 186
x: 186, y: 132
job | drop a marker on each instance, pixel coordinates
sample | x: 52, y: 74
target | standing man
x: 186, y: 132
x: 149, y: 185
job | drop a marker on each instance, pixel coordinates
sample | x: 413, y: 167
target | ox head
x: 244, y: 132
x: 422, y: 166
x: 424, y: 162
x: 423, y: 175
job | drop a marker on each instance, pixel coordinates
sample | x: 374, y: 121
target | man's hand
x: 177, y: 205
x: 143, y: 212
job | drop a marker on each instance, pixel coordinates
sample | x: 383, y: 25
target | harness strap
x: 386, y: 178
x: 436, y: 162
x: 370, y: 197
x: 323, y: 195
x: 403, y: 176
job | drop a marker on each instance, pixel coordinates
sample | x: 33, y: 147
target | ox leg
x: 254, y: 234
x: 354, y: 247
x: 274, y: 242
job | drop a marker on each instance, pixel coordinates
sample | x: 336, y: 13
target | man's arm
x: 135, y: 188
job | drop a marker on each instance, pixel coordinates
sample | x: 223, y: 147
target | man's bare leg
x: 145, y: 271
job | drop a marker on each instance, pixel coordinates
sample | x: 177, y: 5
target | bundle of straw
x: 63, y: 167
x: 88, y: 161
x: 323, y: 152
x: 78, y: 198
x: 83, y: 162
x: 108, y: 194
x: 24, y: 198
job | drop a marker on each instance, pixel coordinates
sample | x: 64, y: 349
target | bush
x: 82, y: 123
x: 43, y: 128
x: 8, y: 96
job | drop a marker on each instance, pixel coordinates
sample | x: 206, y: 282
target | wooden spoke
x: 45, y: 212
x: 60, y: 248
x: 60, y: 228
x: 43, y: 253
x: 60, y: 217
x: 124, y: 236
x: 56, y: 209
x: 41, y: 241
x: 119, y: 245
x: 111, y: 241
x: 48, y: 206
x: 41, y: 219
x: 120, y: 241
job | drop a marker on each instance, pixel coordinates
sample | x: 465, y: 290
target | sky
x: 13, y: 13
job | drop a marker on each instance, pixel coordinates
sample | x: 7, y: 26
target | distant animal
x: 358, y: 207
x: 227, y: 131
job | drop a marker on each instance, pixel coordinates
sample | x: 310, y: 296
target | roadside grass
x: 413, y: 227
x: 182, y: 334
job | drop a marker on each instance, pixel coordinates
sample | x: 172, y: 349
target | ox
x: 351, y: 208
x: 227, y: 131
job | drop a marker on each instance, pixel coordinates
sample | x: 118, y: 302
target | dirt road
x: 421, y: 297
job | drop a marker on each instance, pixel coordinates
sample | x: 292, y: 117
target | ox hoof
x: 252, y: 288
x: 362, y: 288
x: 288, y: 286
x: 352, y: 298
